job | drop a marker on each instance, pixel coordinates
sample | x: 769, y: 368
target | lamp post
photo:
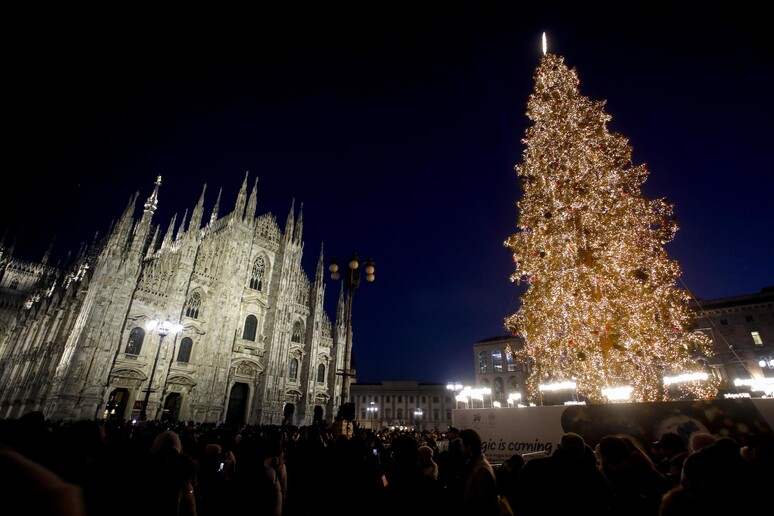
x: 417, y: 417
x: 455, y: 387
x: 163, y: 329
x: 351, y: 282
x: 372, y: 408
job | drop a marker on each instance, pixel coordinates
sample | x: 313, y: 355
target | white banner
x: 537, y: 430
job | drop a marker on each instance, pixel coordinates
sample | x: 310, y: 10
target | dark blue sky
x: 398, y: 129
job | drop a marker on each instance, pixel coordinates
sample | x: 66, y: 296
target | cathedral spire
x: 320, y: 274
x: 289, y: 223
x: 153, y: 200
x: 196, y: 218
x: 299, y: 225
x: 170, y: 231
x: 252, y: 203
x: 47, y: 254
x: 142, y: 229
x: 154, y: 242
x: 340, y: 318
x: 181, y: 229
x: 239, y: 209
x: 215, y: 209
x: 123, y: 228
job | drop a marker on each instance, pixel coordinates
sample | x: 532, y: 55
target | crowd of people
x: 118, y: 468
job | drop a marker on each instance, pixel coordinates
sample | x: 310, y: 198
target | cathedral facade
x: 254, y: 345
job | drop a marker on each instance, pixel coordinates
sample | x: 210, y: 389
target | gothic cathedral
x: 251, y: 342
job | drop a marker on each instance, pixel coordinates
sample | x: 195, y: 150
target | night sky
x: 398, y: 129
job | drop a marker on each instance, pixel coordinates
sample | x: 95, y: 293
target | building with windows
x: 423, y: 406
x: 255, y: 344
x: 741, y: 329
x: 742, y: 332
x: 496, y: 369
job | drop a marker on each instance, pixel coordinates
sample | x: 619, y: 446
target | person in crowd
x: 307, y: 463
x: 407, y: 486
x: 699, y: 440
x: 256, y: 488
x: 37, y: 489
x: 480, y: 496
x: 758, y: 450
x: 168, y: 479
x: 426, y: 462
x: 276, y: 449
x: 451, y: 468
x: 668, y: 453
x: 715, y: 480
x: 509, y: 478
x: 636, y: 483
x: 570, y: 470
x: 84, y: 460
x: 361, y: 472
x: 216, y: 469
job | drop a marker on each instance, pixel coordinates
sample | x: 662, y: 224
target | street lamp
x: 417, y: 417
x: 351, y: 282
x: 455, y: 387
x: 372, y: 409
x: 163, y: 329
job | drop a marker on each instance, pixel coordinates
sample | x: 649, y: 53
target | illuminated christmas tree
x: 601, y: 306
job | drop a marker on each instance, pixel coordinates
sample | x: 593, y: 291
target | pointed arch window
x: 321, y: 373
x: 193, y: 305
x: 134, y: 344
x: 184, y: 354
x: 14, y: 285
x: 293, y: 374
x: 483, y: 362
x: 257, y: 274
x: 297, y: 331
x: 251, y: 326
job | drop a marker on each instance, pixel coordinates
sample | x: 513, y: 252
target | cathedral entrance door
x: 287, y: 414
x: 116, y: 405
x: 171, y: 411
x: 237, y: 405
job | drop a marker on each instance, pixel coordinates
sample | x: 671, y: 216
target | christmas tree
x: 601, y: 307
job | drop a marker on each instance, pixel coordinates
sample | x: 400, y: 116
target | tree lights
x: 601, y: 306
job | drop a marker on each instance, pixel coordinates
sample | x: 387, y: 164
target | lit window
x: 482, y: 362
x: 134, y: 345
x: 497, y: 361
x: 756, y: 338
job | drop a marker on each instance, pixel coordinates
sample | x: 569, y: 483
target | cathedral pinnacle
x: 153, y: 200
